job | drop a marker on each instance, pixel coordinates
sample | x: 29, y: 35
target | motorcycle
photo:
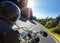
x: 30, y: 36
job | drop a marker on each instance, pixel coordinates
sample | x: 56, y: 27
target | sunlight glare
x: 31, y: 4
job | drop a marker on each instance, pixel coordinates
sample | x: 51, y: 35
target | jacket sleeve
x: 7, y: 34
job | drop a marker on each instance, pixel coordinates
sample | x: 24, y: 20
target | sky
x: 46, y: 8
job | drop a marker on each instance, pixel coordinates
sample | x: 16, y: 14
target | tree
x: 34, y: 18
x: 49, y: 24
x: 58, y: 19
x: 57, y: 29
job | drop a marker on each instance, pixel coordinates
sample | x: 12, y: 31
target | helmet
x: 9, y: 11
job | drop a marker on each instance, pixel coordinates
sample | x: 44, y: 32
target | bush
x: 43, y: 21
x: 49, y: 24
x: 57, y: 29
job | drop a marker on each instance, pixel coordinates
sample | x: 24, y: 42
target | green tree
x: 49, y: 24
x: 57, y: 29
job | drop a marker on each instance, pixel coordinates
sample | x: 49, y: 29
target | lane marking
x: 54, y: 39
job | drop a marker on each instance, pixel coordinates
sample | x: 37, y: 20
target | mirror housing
x: 43, y: 33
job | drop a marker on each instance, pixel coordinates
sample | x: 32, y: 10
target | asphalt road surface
x: 35, y: 26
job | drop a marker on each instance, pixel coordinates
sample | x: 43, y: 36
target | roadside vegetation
x: 52, y: 24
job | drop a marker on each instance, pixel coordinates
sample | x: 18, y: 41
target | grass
x: 56, y: 36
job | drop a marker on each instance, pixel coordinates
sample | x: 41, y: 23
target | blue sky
x: 44, y: 8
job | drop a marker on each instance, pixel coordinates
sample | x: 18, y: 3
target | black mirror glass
x: 43, y: 33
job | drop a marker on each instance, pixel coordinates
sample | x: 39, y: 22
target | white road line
x: 54, y: 39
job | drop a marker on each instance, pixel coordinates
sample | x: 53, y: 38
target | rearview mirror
x: 43, y: 33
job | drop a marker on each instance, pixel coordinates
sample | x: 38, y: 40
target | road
x: 35, y: 26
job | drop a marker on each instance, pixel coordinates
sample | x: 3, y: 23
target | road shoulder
x: 53, y: 36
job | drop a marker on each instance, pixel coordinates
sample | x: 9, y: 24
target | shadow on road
x: 32, y: 22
